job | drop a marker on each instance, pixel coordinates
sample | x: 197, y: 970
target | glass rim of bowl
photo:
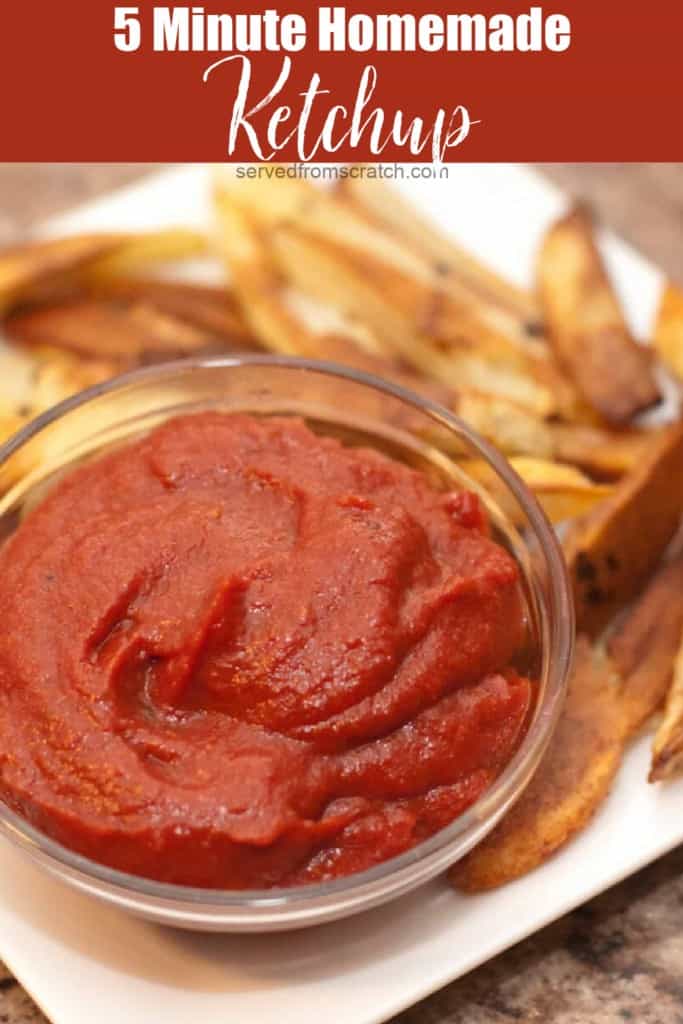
x: 275, y: 908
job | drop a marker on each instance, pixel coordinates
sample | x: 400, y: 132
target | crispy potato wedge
x: 562, y: 491
x: 511, y: 427
x: 496, y: 303
x: 586, y: 326
x: 25, y: 268
x: 604, y: 454
x: 384, y: 205
x: 32, y: 382
x: 145, y: 249
x: 130, y: 330
x: 257, y: 284
x: 339, y: 348
x: 668, y: 336
x: 210, y: 308
x: 644, y: 645
x: 611, y: 552
x: 385, y: 299
x: 667, y: 749
x: 58, y: 375
x: 570, y: 783
x: 325, y: 249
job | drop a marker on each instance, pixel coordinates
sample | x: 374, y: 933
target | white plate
x: 83, y: 961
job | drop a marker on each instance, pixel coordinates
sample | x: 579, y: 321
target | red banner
x: 99, y: 80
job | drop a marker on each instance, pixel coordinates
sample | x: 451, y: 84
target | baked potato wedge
x: 644, y: 645
x: 571, y: 782
x: 667, y: 749
x: 586, y: 326
x: 612, y: 551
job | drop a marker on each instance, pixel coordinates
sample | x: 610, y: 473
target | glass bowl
x: 360, y: 409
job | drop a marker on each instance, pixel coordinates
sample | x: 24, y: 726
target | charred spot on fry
x: 585, y: 570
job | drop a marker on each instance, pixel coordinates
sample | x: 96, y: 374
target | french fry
x: 58, y: 375
x: 387, y: 301
x: 499, y: 305
x: 16, y: 381
x: 386, y: 208
x: 668, y: 336
x: 512, y: 428
x: 32, y: 382
x: 256, y: 282
x: 130, y: 329
x: 667, y: 749
x: 145, y: 249
x: 610, y: 553
x: 562, y: 491
x: 604, y: 454
x: 93, y: 327
x: 586, y: 326
x: 25, y: 268
x: 569, y: 785
x: 644, y: 645
x: 209, y: 308
x: 325, y: 249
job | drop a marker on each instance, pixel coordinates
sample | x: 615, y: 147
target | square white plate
x: 84, y: 962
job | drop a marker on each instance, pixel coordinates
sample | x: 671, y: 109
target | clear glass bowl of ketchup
x: 360, y: 411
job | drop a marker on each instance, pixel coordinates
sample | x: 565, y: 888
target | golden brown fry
x: 496, y: 306
x: 130, y: 332
x: 667, y: 749
x: 28, y: 267
x: 31, y: 383
x: 209, y: 308
x: 570, y: 783
x: 611, y: 552
x: 58, y: 375
x: 586, y: 326
x: 562, y: 491
x: 604, y: 454
x: 144, y: 249
x: 396, y: 307
x: 385, y: 207
x: 668, y: 337
x: 256, y: 282
x: 16, y: 381
x: 337, y: 348
x: 645, y: 643
x: 325, y: 249
x: 512, y: 428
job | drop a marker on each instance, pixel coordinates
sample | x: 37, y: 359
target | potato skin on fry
x: 667, y: 749
x: 570, y: 783
x: 610, y: 553
x: 605, y: 454
x: 586, y: 326
x: 644, y: 645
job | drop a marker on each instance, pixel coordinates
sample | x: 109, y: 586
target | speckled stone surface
x: 620, y: 957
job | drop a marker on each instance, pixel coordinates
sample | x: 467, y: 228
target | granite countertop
x: 619, y: 957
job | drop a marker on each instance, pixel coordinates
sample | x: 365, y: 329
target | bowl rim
x: 500, y: 795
